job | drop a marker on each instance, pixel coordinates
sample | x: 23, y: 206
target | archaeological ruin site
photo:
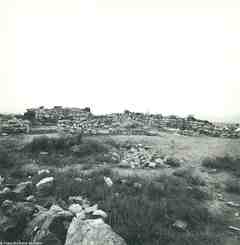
x: 69, y: 177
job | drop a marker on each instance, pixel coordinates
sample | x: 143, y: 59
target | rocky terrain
x: 137, y: 190
x: 23, y: 219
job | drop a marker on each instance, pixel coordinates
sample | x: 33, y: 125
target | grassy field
x: 143, y: 204
x: 193, y: 149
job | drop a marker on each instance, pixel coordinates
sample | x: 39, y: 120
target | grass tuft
x: 227, y: 163
x: 233, y: 186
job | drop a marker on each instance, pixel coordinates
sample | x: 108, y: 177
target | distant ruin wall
x: 127, y: 123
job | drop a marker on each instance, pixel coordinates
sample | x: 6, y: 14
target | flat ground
x: 192, y: 150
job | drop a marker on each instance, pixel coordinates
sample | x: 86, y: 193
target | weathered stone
x: 108, y: 181
x: 91, y: 209
x: 152, y: 165
x: 124, y: 164
x: 43, y: 153
x: 233, y: 204
x: 92, y: 232
x: 45, y: 186
x: 180, y: 225
x: 75, y: 208
x: 7, y: 203
x: 43, y: 171
x: 23, y: 189
x: 159, y: 162
x: 100, y: 213
x: 137, y: 185
x: 31, y: 198
x: 6, y: 193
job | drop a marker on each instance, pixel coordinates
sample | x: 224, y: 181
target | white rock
x: 91, y: 209
x: 45, y: 181
x: 100, y: 213
x: 43, y: 153
x: 180, y: 225
x: 30, y: 198
x: 137, y: 185
x: 75, y: 208
x: 233, y: 204
x: 152, y: 165
x: 233, y: 228
x: 159, y: 161
x: 43, y: 171
x: 108, y: 181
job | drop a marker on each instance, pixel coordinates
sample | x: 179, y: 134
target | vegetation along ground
x: 193, y: 202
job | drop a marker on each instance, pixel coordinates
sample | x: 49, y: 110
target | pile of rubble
x: 127, y: 123
x: 14, y: 126
x: 23, y: 219
x: 140, y: 156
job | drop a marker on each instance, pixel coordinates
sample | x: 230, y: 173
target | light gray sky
x: 177, y: 57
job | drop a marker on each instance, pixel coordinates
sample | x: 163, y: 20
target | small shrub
x: 227, y: 163
x: 233, y: 186
x: 6, y: 158
x: 47, y: 144
x: 173, y: 162
x: 89, y: 147
x: 191, y: 176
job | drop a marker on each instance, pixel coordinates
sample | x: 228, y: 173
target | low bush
x: 173, y: 162
x: 191, y: 176
x: 227, y: 163
x: 89, y: 147
x: 6, y: 159
x: 233, y: 186
x: 47, y: 144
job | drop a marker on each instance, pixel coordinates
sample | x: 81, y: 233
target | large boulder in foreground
x: 92, y: 232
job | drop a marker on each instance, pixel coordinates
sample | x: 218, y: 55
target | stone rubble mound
x: 140, y: 156
x: 75, y: 221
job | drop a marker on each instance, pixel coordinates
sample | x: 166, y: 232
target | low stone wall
x: 140, y: 124
x: 15, y: 126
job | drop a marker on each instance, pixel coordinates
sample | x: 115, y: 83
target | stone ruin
x: 14, y: 125
x: 132, y: 123
x: 53, y: 115
x: 126, y: 123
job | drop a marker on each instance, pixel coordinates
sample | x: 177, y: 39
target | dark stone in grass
x: 172, y: 161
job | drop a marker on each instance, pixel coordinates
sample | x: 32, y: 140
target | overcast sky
x: 170, y: 57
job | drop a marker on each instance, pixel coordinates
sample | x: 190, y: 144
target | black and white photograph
x: 119, y: 122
